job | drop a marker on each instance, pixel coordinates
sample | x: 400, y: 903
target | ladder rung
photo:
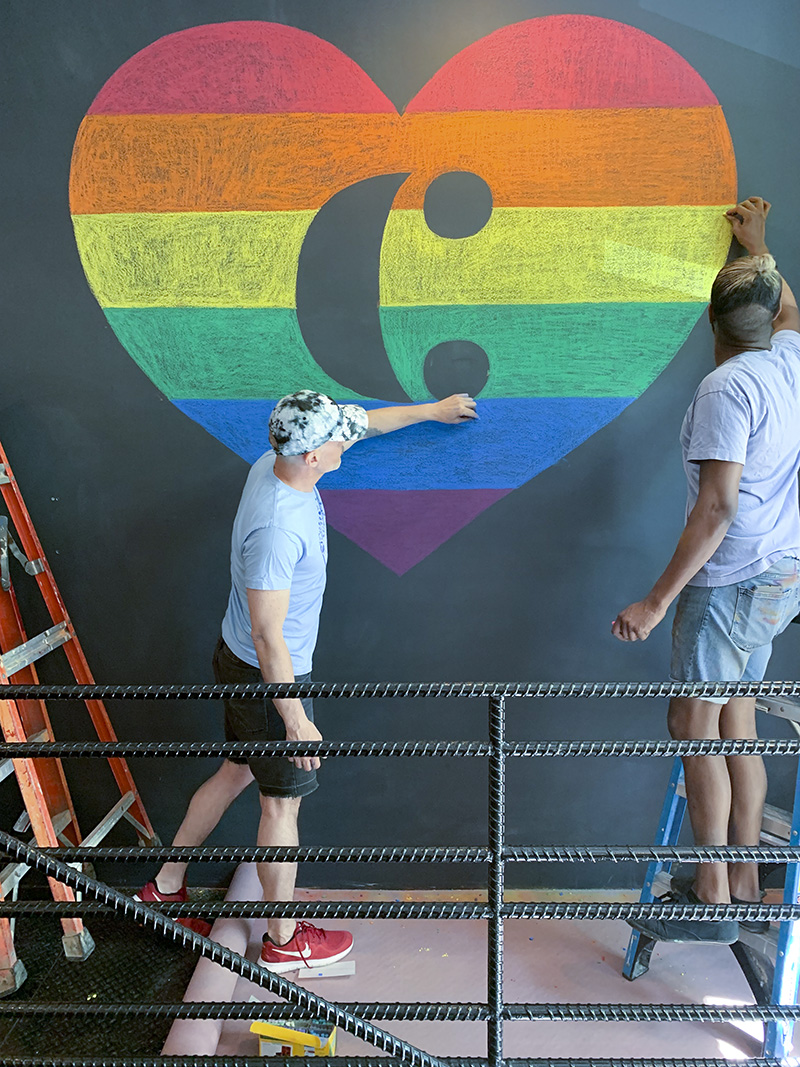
x: 776, y: 822
x: 764, y: 944
x: 783, y: 707
x: 141, y: 830
x: 7, y: 766
x: 12, y: 875
x: 95, y: 836
x: 24, y: 655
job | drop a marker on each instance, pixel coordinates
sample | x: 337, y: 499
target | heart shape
x: 204, y: 160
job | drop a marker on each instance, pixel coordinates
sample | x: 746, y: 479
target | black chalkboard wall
x: 133, y: 500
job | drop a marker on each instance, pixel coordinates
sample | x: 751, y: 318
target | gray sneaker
x: 680, y: 882
x: 719, y: 931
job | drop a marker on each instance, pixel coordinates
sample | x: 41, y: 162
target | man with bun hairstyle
x: 279, y: 554
x: 735, y: 570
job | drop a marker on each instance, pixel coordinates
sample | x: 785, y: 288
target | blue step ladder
x: 770, y: 962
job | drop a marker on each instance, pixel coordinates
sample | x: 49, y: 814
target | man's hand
x: 304, y: 730
x: 749, y: 222
x: 637, y: 621
x: 457, y: 408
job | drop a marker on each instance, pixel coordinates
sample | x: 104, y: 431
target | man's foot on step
x: 753, y: 926
x: 308, y: 947
x: 719, y: 931
x: 151, y: 892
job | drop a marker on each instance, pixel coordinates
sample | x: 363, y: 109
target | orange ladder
x: 49, y: 811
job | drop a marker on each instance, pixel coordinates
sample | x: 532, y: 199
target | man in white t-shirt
x: 279, y: 555
x: 735, y: 570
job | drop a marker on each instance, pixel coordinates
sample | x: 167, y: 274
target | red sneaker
x: 151, y: 892
x: 309, y: 947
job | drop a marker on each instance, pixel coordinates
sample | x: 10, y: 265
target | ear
x: 311, y: 459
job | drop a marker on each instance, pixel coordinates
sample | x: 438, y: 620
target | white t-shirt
x: 748, y: 411
x: 280, y: 541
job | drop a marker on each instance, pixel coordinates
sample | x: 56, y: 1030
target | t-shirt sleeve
x: 789, y: 339
x: 270, y: 557
x: 721, y: 425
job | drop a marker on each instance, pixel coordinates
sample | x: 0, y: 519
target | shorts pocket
x: 760, y: 614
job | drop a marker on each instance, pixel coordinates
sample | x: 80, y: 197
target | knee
x: 279, y: 809
x: 678, y: 720
x: 688, y: 718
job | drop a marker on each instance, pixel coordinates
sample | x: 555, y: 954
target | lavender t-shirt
x: 748, y: 411
x: 280, y: 541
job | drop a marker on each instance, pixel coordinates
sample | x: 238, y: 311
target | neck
x: 296, y: 475
x: 726, y: 348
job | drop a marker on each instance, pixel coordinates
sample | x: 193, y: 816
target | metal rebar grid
x: 295, y: 994
x: 377, y: 1061
x: 376, y: 909
x: 458, y: 749
x: 412, y: 854
x: 419, y: 1012
x: 355, y: 1018
x: 496, y: 881
x: 393, y: 690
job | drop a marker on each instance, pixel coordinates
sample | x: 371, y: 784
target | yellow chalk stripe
x: 557, y: 256
x: 193, y: 259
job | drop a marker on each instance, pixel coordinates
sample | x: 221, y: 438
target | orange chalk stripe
x: 589, y: 158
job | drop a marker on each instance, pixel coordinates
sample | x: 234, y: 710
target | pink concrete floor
x: 545, y: 961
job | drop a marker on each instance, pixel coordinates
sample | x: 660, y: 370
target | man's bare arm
x: 788, y: 318
x: 714, y: 511
x: 749, y: 225
x: 268, y: 609
x: 453, y: 410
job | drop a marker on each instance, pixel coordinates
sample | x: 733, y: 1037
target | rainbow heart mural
x: 205, y: 158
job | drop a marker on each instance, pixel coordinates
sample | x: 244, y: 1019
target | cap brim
x: 354, y: 423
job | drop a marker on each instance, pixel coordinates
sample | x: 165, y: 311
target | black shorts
x: 258, y: 720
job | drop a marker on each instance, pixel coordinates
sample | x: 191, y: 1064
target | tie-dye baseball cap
x: 305, y: 420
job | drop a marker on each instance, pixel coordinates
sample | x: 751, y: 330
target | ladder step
x: 763, y: 944
x: 95, y: 836
x: 24, y: 655
x: 783, y: 707
x: 7, y: 766
x: 12, y: 875
x: 776, y: 823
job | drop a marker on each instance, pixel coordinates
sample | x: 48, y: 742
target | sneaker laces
x: 309, y: 931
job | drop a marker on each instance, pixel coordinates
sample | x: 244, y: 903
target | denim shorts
x: 258, y: 720
x: 724, y: 633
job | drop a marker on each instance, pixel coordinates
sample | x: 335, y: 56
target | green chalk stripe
x: 544, y: 350
x: 221, y: 353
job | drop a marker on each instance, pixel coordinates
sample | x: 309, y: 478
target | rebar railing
x: 357, y: 1018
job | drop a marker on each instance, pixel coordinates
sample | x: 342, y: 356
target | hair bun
x: 763, y: 264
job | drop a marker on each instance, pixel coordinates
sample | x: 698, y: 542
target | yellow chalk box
x: 296, y: 1037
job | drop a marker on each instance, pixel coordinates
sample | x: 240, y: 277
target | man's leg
x: 288, y: 945
x: 748, y: 779
x: 207, y: 806
x: 708, y: 791
x: 278, y: 826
